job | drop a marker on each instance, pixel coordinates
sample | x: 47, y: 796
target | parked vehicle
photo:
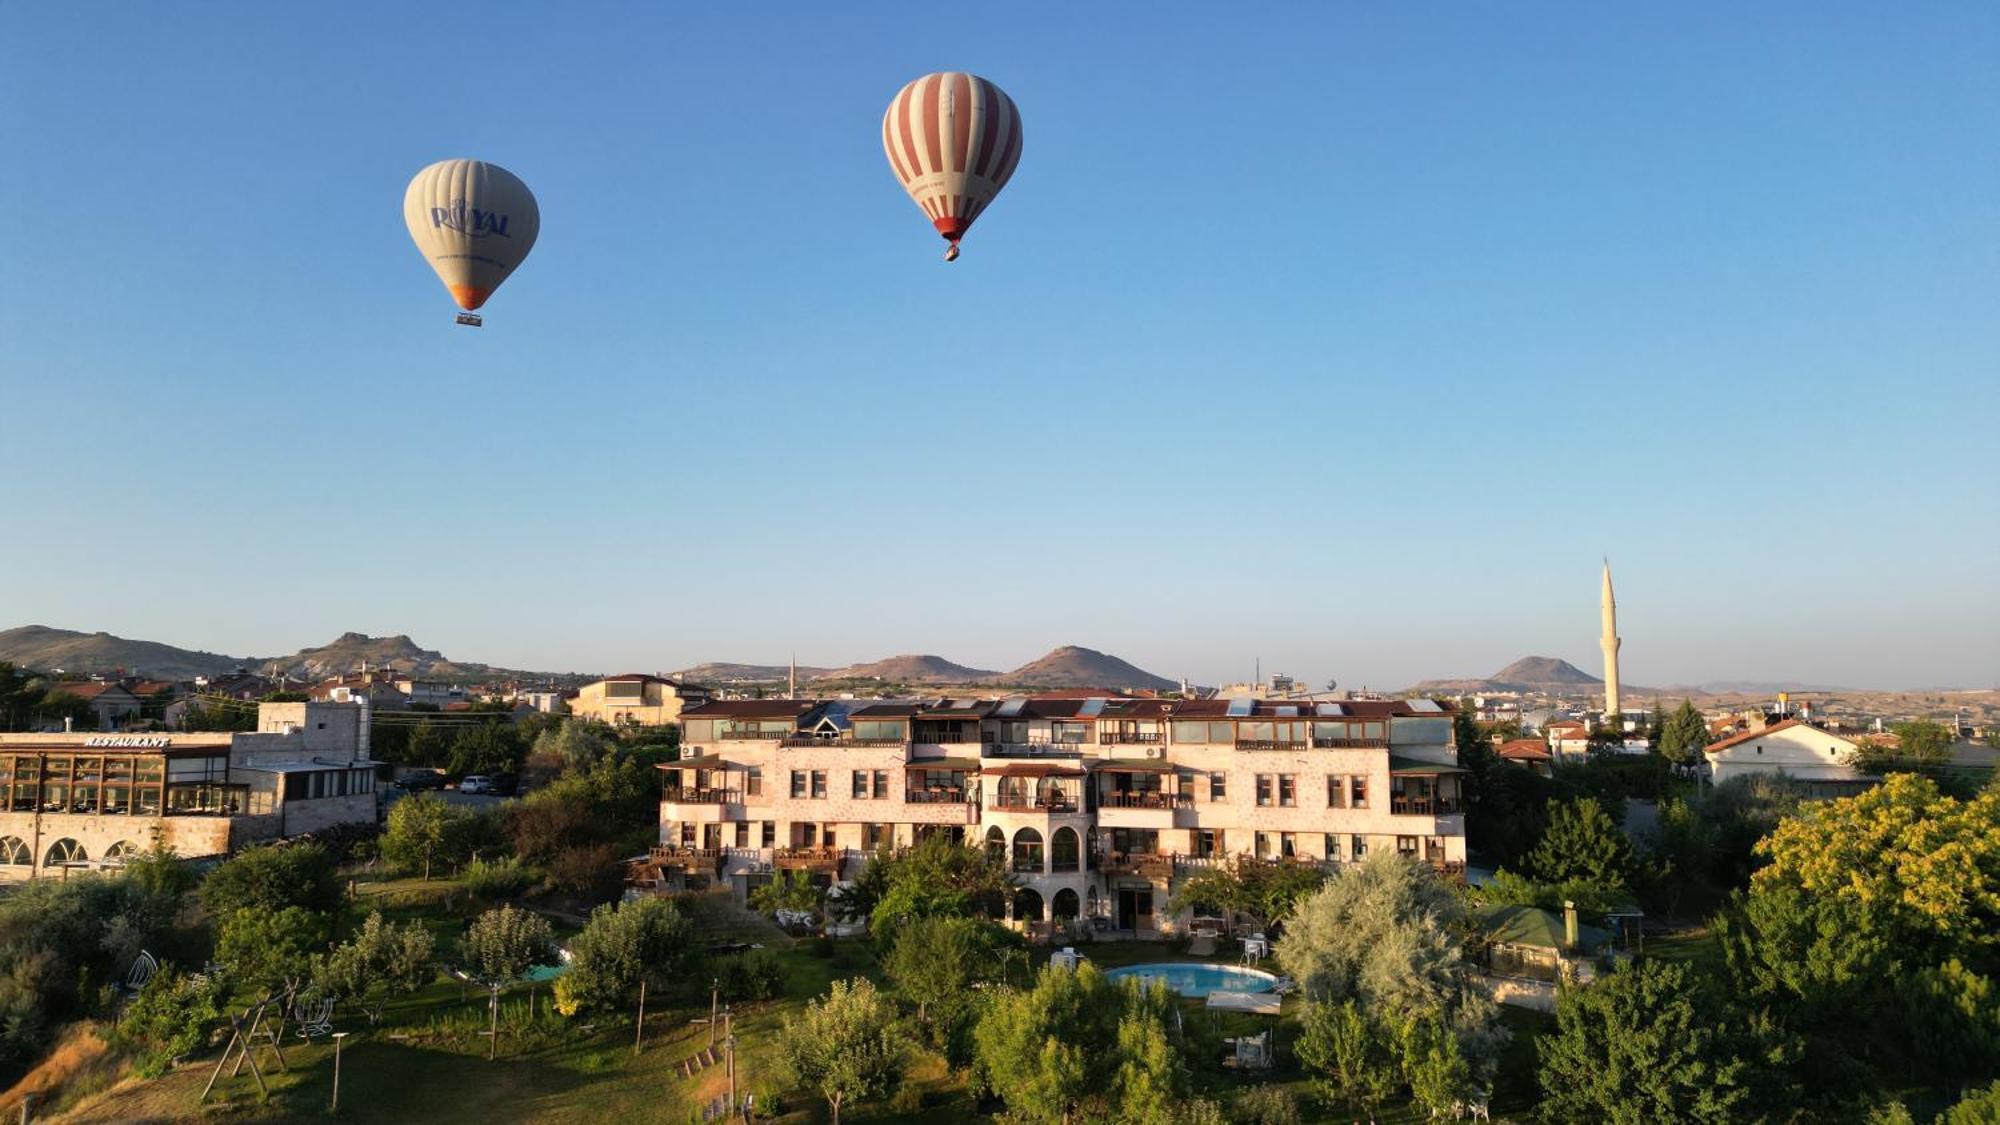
x: 411, y: 783
x: 475, y: 783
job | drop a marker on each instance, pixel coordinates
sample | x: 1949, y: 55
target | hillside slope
x: 1073, y: 666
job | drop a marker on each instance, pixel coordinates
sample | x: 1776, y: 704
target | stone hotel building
x: 1101, y: 805
x: 83, y: 801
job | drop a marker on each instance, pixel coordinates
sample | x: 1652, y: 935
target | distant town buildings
x: 1101, y: 805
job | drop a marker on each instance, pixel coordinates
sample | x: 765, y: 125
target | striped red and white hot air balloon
x: 953, y: 140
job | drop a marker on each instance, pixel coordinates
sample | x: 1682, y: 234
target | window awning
x: 1032, y: 769
x: 950, y: 765
x: 1134, y: 767
x: 700, y: 762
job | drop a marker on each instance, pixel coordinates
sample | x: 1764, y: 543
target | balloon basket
x: 471, y: 320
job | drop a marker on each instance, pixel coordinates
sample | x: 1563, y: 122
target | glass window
x: 1360, y: 787
x: 1263, y: 843
x: 1288, y: 844
x: 1406, y: 845
x: 798, y: 784
x: 861, y: 784
x: 819, y: 785
x: 1069, y: 734
x: 742, y: 833
x: 1336, y: 791
x: 1218, y: 786
x: 1332, y: 846
x: 1263, y: 791
x: 1208, y: 843
x: 881, y: 785
x: 1288, y: 790
x: 1254, y: 732
x: 1357, y: 846
x: 879, y: 730
x: 770, y: 834
x: 753, y: 781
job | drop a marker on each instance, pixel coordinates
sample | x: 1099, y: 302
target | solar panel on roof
x: 1238, y: 708
x: 1092, y: 707
x: 1330, y: 709
x: 1426, y: 706
x: 1011, y: 707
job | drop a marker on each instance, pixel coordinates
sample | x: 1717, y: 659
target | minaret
x: 1609, y: 642
x: 792, y: 683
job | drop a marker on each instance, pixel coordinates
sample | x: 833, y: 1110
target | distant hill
x: 350, y: 652
x: 1545, y: 674
x: 1073, y: 666
x: 914, y: 669
x: 45, y: 650
x: 724, y: 672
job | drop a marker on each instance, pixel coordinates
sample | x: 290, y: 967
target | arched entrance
x: 1064, y: 906
x: 1027, y: 905
x: 996, y: 843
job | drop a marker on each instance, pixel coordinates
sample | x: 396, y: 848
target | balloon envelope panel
x: 474, y: 222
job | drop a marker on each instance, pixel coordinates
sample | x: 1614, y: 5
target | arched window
x: 64, y: 851
x: 121, y: 851
x: 1027, y: 906
x: 1064, y: 907
x: 1064, y: 851
x: 1028, y: 851
x: 996, y: 843
x: 14, y: 852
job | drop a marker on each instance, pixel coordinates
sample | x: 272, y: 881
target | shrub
x: 499, y: 878
x: 1266, y: 1105
x: 591, y: 872
x: 273, y: 877
x: 167, y: 1020
x: 751, y: 976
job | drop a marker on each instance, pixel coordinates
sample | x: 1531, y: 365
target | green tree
x: 1435, y: 1068
x: 1350, y: 1059
x: 18, y: 696
x: 272, y: 877
x: 1683, y: 735
x: 378, y: 962
x: 1078, y: 1044
x: 170, y: 1017
x: 1263, y: 890
x: 790, y: 891
x: 498, y: 949
x: 1582, y: 843
x: 1873, y: 935
x: 939, y: 877
x: 937, y: 964
x: 645, y: 940
x: 576, y: 743
x: 1980, y: 1107
x: 1641, y: 1045
x: 1918, y: 745
x: 271, y: 949
x: 423, y: 829
x: 845, y: 1046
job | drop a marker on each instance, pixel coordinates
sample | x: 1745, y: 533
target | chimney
x: 69, y: 724
x: 1569, y: 926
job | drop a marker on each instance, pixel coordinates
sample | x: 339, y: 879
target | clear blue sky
x: 1348, y: 336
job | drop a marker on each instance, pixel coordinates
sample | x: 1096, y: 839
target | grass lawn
x: 427, y: 1061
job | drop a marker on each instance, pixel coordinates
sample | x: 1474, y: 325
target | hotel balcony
x: 1350, y: 743
x: 700, y: 806
x: 843, y: 743
x: 1140, y: 810
x: 826, y: 860
x: 694, y: 860
x: 1149, y: 865
x: 1032, y: 749
x: 1131, y: 738
x: 1423, y: 806
x: 1059, y: 803
x: 941, y: 806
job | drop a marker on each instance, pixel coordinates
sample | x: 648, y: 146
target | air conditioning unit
x: 1154, y: 751
x: 1034, y: 748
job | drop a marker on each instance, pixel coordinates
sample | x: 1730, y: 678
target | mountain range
x: 47, y: 649
x: 1545, y: 674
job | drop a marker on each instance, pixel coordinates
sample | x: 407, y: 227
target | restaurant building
x: 1100, y: 805
x: 84, y: 801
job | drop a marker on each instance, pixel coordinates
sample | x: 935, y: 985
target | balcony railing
x: 1350, y: 743
x: 843, y: 743
x: 689, y: 858
x: 938, y: 796
x: 753, y: 736
x: 810, y: 859
x: 1131, y: 738
x: 1036, y: 802
x: 692, y: 795
x: 1031, y: 749
x: 1267, y: 744
x: 1115, y: 800
x: 1424, y: 806
x: 1155, y: 865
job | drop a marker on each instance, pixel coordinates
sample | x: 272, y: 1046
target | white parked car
x: 475, y: 783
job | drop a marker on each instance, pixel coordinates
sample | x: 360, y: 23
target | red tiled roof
x: 1750, y: 735
x: 1524, y: 750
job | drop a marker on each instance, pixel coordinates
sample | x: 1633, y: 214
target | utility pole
x: 714, y: 996
x: 729, y: 1048
x: 335, y: 1107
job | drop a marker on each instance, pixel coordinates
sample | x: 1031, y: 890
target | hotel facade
x: 71, y: 802
x: 1100, y: 805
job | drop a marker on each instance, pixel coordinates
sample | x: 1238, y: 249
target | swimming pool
x: 1195, y: 978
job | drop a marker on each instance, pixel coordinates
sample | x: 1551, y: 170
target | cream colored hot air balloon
x: 474, y: 223
x: 953, y: 140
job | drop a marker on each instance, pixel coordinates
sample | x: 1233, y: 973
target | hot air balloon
x: 474, y: 222
x: 953, y: 140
